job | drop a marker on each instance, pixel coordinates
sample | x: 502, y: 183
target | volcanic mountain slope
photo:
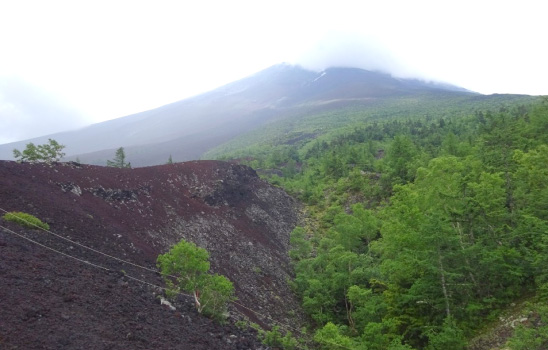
x: 51, y: 301
x: 187, y: 129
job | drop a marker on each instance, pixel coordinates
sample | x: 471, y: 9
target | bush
x: 25, y: 220
x: 275, y: 339
x: 48, y: 153
x: 450, y: 336
x: 185, y: 267
x: 534, y: 334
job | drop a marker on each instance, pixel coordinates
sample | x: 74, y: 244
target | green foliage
x: 275, y: 339
x: 422, y: 222
x: 383, y: 335
x: 185, y: 268
x: 400, y: 159
x: 46, y: 153
x: 26, y: 220
x: 243, y: 325
x: 534, y: 335
x: 300, y: 246
x: 332, y: 337
x: 303, y: 131
x: 355, y: 231
x: 448, y: 337
x: 119, y: 160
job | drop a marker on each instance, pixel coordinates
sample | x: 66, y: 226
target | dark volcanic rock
x: 51, y: 301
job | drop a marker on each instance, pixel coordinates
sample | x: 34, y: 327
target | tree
x: 29, y: 154
x: 400, y: 158
x: 449, y: 336
x: 119, y: 160
x: 331, y: 337
x: 185, y: 267
x: 170, y: 160
x: 276, y: 340
x: 300, y: 246
x: 357, y: 230
x: 52, y: 151
x: 47, y: 153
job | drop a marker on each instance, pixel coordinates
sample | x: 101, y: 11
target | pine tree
x: 119, y: 160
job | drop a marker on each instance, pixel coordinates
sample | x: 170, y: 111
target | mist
x: 339, y: 49
x: 27, y: 111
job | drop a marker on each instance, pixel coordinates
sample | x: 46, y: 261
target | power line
x: 284, y: 326
x: 123, y: 261
x: 82, y: 245
x: 113, y: 257
x: 89, y: 263
x: 129, y: 276
x: 56, y: 251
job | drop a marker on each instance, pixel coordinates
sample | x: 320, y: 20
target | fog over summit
x: 148, y: 54
x: 354, y: 51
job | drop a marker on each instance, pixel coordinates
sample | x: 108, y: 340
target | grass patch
x: 25, y: 220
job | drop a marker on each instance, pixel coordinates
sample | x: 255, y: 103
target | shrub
x: 534, y: 334
x: 275, y: 339
x: 185, y: 267
x: 25, y: 220
x: 47, y: 153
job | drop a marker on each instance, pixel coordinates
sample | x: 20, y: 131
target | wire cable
x: 82, y: 245
x: 282, y: 325
x: 85, y: 261
x: 130, y: 263
x: 113, y: 257
x: 54, y: 250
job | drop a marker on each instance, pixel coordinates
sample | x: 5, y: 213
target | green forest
x: 418, y: 231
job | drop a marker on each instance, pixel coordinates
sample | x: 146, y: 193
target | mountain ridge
x: 188, y: 128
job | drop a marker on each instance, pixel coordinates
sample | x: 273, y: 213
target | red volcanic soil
x: 51, y: 301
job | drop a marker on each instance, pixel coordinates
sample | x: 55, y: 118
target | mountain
x: 187, y: 129
x: 53, y: 301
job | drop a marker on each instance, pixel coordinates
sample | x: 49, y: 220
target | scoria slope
x: 53, y: 301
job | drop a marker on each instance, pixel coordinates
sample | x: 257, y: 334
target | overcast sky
x: 66, y: 64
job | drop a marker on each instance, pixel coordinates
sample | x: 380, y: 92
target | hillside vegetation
x: 420, y: 227
x: 323, y: 123
x: 288, y: 98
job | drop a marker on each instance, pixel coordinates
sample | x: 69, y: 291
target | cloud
x: 27, y: 111
x: 340, y: 49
